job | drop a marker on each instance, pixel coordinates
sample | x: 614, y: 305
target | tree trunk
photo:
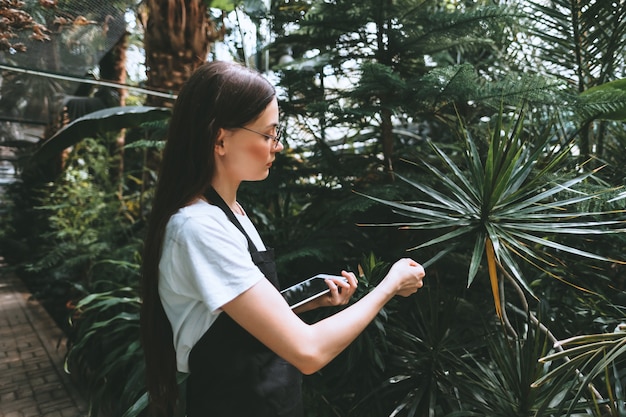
x: 382, y: 54
x: 178, y: 38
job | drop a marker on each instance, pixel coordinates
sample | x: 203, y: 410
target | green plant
x: 87, y: 221
x: 428, y: 338
x: 504, y: 205
x: 497, y: 381
x: 582, y: 364
x: 509, y: 204
x: 581, y: 44
x: 400, y: 64
x: 105, y: 351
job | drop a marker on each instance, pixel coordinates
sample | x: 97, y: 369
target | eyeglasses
x: 275, y: 138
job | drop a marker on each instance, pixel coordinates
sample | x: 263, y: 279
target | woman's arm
x: 264, y: 313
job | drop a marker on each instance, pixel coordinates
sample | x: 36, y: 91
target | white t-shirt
x: 205, y: 263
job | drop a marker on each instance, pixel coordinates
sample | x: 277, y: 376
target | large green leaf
x: 93, y: 124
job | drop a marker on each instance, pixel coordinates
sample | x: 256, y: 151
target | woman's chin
x: 260, y: 177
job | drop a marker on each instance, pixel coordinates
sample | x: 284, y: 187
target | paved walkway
x: 32, y: 381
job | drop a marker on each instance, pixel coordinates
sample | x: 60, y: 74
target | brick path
x: 32, y: 381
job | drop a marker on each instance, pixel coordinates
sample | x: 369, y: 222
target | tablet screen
x: 307, y: 290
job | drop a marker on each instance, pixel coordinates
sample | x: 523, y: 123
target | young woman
x: 211, y: 304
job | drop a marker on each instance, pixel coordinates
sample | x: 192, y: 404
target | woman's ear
x: 219, y: 141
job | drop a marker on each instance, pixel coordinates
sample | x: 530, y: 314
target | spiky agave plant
x: 506, y: 205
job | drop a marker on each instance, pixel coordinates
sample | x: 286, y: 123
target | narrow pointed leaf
x: 477, y: 256
x: 569, y: 249
x: 444, y: 238
x: 493, y: 276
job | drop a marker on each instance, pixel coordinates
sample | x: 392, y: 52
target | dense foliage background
x: 484, y: 139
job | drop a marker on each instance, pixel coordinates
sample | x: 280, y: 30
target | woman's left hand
x: 340, y: 293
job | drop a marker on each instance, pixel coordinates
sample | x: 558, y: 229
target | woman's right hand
x: 405, y: 277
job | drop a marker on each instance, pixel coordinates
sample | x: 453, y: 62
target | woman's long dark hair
x: 217, y: 95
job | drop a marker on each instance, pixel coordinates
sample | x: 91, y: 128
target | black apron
x: 232, y: 374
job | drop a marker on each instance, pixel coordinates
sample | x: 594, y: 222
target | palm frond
x: 591, y: 31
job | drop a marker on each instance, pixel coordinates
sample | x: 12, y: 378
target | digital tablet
x: 308, y: 290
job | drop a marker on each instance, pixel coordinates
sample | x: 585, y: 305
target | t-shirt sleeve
x: 213, y: 259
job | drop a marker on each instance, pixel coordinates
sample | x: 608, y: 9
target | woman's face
x: 245, y: 153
